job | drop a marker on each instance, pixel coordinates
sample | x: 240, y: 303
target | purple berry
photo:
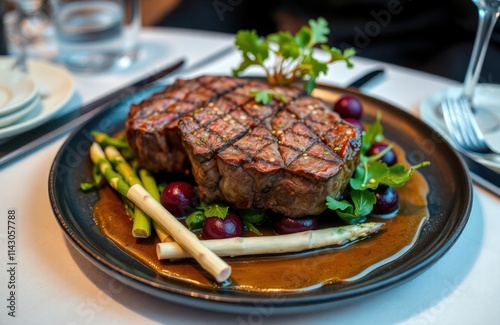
x: 349, y: 107
x: 217, y: 228
x: 389, y: 158
x: 285, y: 225
x: 387, y: 200
x: 356, y: 123
x: 178, y: 198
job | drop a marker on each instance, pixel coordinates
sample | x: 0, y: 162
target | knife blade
x: 365, y: 78
x: 482, y: 175
x: 24, y: 143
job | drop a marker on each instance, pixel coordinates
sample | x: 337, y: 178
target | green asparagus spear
x: 142, y: 223
x: 149, y: 183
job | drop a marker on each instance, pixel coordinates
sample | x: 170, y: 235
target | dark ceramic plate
x: 450, y: 201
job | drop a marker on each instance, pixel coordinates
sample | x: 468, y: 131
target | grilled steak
x: 286, y: 157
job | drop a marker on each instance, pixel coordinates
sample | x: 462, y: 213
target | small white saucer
x: 9, y: 119
x: 16, y: 90
x: 486, y: 96
x: 58, y: 87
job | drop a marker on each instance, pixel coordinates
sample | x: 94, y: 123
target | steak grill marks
x: 302, y: 136
x: 286, y: 157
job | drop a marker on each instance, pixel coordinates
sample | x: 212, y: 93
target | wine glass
x: 31, y: 22
x: 488, y: 12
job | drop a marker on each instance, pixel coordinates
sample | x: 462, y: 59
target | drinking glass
x: 30, y: 22
x: 3, y: 36
x: 488, y: 11
x: 96, y: 35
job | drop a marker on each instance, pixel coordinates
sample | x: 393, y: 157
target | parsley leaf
x: 265, y: 96
x: 215, y: 209
x: 292, y: 54
x: 353, y: 212
x: 195, y: 220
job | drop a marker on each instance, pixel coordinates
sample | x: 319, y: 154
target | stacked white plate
x: 22, y: 105
x: 18, y: 96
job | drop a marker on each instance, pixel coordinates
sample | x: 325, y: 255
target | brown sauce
x: 286, y: 272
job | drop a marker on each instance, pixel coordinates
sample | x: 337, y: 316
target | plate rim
x: 32, y: 92
x: 48, y: 111
x: 243, y: 302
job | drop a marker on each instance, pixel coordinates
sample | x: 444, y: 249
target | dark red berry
x: 285, y: 225
x: 355, y: 123
x: 387, y: 200
x: 349, y: 107
x: 217, y: 228
x: 389, y: 157
x: 178, y: 198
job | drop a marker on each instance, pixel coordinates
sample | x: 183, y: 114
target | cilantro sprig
x: 292, y: 55
x: 369, y: 174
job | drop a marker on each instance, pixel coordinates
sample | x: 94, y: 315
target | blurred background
x: 427, y: 35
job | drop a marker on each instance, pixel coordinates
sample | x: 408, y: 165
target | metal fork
x: 463, y: 127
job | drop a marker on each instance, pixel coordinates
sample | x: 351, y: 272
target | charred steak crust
x: 286, y: 157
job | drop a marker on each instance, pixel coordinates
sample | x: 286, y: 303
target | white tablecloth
x: 56, y: 285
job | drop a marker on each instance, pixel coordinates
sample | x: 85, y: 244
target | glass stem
x: 487, y: 20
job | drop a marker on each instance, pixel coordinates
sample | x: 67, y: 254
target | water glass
x: 96, y: 35
x: 3, y: 37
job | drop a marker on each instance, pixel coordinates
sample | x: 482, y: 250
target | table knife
x: 366, y: 78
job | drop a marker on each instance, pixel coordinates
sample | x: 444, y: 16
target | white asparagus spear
x: 275, y: 244
x: 182, y: 236
x: 212, y: 263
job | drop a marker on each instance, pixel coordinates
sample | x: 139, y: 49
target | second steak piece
x: 283, y: 157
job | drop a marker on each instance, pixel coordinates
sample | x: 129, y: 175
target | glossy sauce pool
x: 290, y: 272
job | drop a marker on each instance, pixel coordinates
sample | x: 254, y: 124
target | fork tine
x: 453, y: 125
x: 464, y: 120
x: 474, y: 131
x: 462, y: 126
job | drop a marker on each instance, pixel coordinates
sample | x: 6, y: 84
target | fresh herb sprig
x: 292, y: 55
x: 195, y: 220
x: 265, y: 96
x: 250, y: 218
x: 369, y: 174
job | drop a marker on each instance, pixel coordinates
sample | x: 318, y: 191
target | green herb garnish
x: 292, y: 55
x: 356, y: 210
x: 251, y: 218
x: 195, y: 219
x: 265, y: 96
x: 369, y: 174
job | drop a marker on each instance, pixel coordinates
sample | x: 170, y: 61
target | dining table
x: 53, y: 283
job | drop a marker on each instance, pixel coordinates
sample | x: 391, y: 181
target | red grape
x: 355, y: 123
x: 285, y: 225
x: 349, y: 107
x: 387, y: 200
x: 389, y: 158
x: 178, y: 198
x: 217, y: 228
